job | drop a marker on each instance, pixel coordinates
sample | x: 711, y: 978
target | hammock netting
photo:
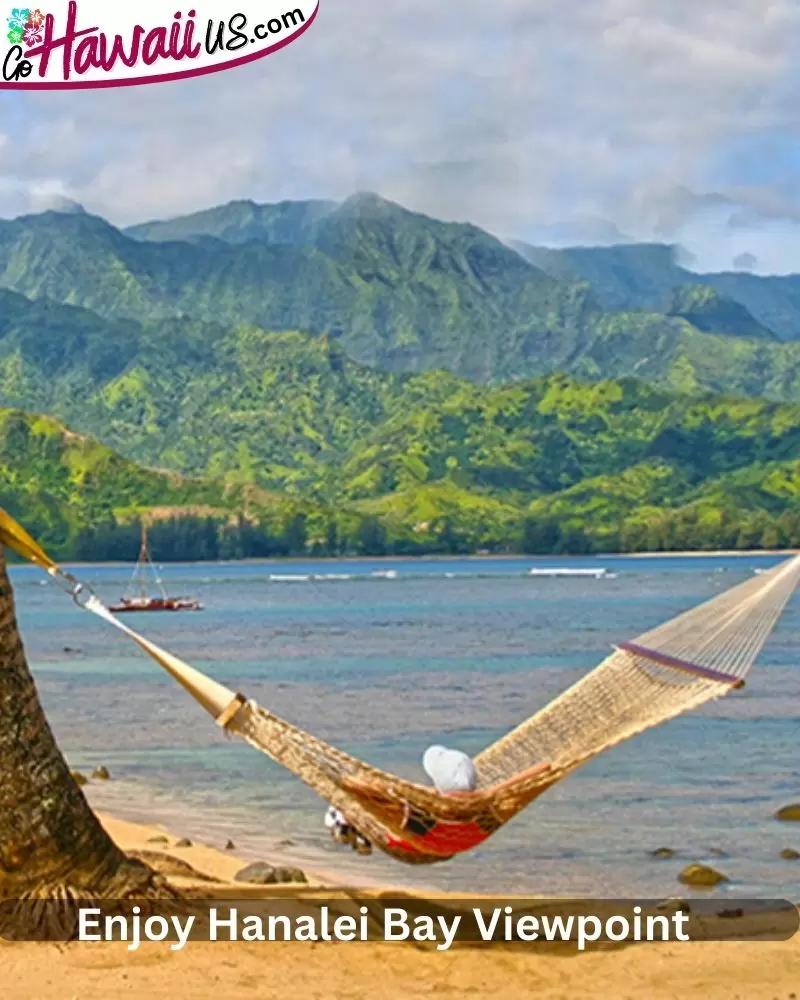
x: 692, y: 659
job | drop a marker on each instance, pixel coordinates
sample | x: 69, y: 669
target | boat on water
x: 137, y: 597
x: 597, y: 574
x: 156, y: 604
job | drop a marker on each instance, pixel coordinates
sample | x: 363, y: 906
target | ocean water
x: 453, y: 651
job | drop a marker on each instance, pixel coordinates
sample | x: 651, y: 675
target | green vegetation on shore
x: 440, y: 466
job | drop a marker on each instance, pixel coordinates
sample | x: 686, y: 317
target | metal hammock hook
x: 81, y: 593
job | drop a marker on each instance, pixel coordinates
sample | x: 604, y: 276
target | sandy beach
x: 202, y: 971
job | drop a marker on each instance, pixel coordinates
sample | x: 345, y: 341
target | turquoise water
x: 453, y: 651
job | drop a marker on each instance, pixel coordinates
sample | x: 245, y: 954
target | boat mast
x: 149, y: 562
x: 143, y: 563
x: 144, y: 560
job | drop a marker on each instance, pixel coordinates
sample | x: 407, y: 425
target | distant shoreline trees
x: 207, y: 539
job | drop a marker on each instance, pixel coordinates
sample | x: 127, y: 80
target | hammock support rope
x: 695, y: 658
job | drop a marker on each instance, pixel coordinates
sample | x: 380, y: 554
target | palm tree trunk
x: 51, y: 844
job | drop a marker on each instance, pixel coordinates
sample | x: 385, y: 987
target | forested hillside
x: 314, y: 377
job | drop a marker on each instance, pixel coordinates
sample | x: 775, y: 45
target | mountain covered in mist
x: 405, y: 292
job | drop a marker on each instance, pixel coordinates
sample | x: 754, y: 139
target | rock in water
x: 160, y: 839
x: 717, y: 852
x: 101, y: 773
x: 184, y: 842
x: 259, y: 873
x: 662, y: 852
x: 80, y: 779
x: 230, y: 846
x: 789, y: 814
x: 701, y: 876
x: 789, y: 854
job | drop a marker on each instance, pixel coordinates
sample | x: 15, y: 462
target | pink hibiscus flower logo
x: 32, y: 35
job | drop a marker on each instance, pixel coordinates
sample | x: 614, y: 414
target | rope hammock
x: 692, y: 659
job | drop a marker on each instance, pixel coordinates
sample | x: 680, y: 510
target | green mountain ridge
x: 380, y: 461
x: 709, y: 312
x: 241, y: 221
x: 249, y: 405
x: 358, y: 377
x: 623, y: 277
x: 60, y: 483
x: 645, y: 276
x: 400, y: 290
x: 405, y: 292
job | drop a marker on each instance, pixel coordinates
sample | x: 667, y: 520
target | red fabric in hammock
x: 444, y: 838
x: 449, y: 838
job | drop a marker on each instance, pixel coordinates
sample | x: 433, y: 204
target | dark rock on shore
x: 261, y: 873
x: 101, y: 773
x: 80, y: 779
x: 291, y: 875
x: 662, y: 852
x: 790, y: 854
x: 184, y: 842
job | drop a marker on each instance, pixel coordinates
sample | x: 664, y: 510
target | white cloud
x: 515, y: 114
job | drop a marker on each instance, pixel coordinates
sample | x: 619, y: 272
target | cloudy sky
x: 546, y: 120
